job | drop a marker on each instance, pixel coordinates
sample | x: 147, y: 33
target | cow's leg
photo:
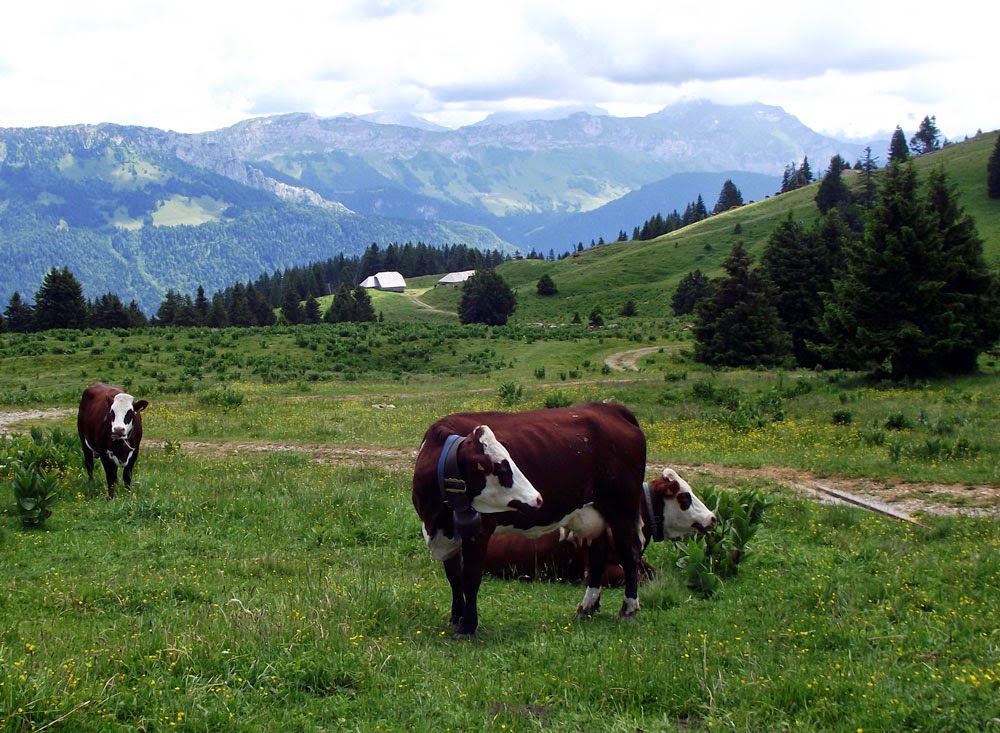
x: 629, y: 549
x: 453, y: 571
x: 598, y: 560
x: 473, y: 555
x: 127, y: 471
x: 111, y: 471
x: 88, y: 459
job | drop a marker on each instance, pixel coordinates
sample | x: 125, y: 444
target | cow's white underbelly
x: 585, y: 523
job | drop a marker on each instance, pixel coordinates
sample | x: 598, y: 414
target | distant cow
x: 587, y: 462
x: 110, y: 427
x: 669, y: 509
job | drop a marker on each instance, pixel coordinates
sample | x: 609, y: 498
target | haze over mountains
x: 137, y: 211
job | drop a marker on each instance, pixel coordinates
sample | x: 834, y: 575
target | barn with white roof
x: 389, y: 281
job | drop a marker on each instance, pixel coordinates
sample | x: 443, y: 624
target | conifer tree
x: 739, y: 325
x: 832, y: 190
x: 898, y: 152
x: 926, y: 137
x: 971, y: 292
x: 291, y: 310
x: 546, y: 286
x: 20, y: 316
x: 729, y: 197
x: 692, y: 289
x: 486, y: 298
x: 108, y: 311
x: 914, y: 296
x: 799, y: 263
x: 993, y: 172
x: 59, y: 302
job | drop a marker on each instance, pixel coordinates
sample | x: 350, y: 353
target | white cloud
x: 855, y: 68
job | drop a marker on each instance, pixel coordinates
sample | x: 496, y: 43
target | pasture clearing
x: 266, y: 571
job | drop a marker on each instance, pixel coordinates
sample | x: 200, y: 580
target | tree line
x: 901, y: 288
x: 59, y: 302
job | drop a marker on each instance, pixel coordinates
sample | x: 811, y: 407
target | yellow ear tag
x: 480, y: 467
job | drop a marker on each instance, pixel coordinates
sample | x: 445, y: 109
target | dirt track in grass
x: 900, y: 499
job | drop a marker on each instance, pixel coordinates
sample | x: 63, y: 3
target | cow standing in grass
x: 587, y: 462
x: 110, y: 426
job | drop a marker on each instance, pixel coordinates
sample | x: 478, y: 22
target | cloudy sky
x: 850, y: 68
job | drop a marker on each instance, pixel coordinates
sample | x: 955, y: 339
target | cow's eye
x: 504, y: 473
x: 128, y: 416
x: 684, y: 500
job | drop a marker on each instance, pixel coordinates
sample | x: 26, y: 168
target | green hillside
x: 609, y: 275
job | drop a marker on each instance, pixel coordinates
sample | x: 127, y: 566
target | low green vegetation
x: 266, y: 571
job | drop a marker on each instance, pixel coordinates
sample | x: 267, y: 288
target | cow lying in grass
x: 670, y: 509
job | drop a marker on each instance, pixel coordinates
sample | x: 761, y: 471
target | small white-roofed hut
x: 455, y: 278
x: 390, y: 281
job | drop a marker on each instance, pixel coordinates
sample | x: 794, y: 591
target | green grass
x: 264, y: 592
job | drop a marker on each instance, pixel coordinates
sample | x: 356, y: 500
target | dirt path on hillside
x: 900, y: 499
x: 628, y: 361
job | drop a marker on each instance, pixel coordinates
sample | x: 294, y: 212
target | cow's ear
x: 140, y: 405
x: 482, y: 462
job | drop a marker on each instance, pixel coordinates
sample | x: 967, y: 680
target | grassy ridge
x: 648, y: 272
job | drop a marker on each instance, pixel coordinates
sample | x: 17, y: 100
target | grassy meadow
x: 266, y: 570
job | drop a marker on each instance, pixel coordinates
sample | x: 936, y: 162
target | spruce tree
x: 926, y: 137
x: 832, y: 190
x: 20, y: 316
x: 971, y: 292
x: 898, y: 152
x: 59, y: 302
x: 914, y: 297
x: 729, y: 197
x: 486, y: 298
x: 993, y: 172
x: 799, y: 263
x: 739, y: 325
x: 692, y: 289
x: 546, y: 286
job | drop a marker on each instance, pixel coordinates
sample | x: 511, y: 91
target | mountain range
x: 138, y: 211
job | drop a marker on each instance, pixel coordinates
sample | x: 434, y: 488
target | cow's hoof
x: 464, y: 635
x: 628, y: 610
x: 585, y: 613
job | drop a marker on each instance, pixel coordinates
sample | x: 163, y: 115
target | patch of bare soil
x: 10, y: 419
x: 899, y: 499
x: 628, y: 361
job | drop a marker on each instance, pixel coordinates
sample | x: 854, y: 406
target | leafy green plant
x: 709, y: 558
x: 510, y: 393
x: 34, y: 493
x: 558, y: 399
x: 224, y: 397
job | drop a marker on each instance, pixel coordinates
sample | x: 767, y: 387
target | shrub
x: 224, y: 397
x: 510, y: 393
x: 709, y: 558
x: 558, y: 399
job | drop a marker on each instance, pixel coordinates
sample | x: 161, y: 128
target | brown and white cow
x: 587, y: 463
x: 110, y: 427
x: 670, y: 509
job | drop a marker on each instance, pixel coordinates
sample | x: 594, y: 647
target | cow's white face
x: 684, y: 513
x: 506, y: 486
x: 122, y: 416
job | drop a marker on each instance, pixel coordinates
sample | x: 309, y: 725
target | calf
x: 587, y: 463
x: 110, y: 426
x: 670, y: 509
